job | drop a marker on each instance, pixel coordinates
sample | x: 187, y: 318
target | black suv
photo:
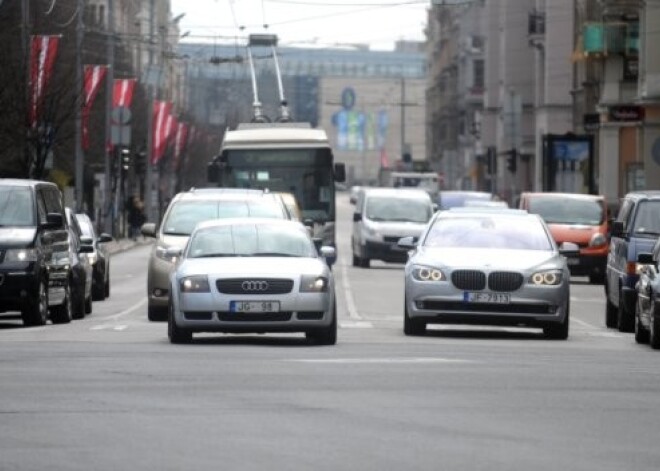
x: 634, y: 231
x: 33, y: 243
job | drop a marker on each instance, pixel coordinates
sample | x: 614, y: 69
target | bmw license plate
x: 495, y: 298
x: 254, y: 306
x: 572, y: 261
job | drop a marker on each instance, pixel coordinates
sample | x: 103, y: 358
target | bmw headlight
x: 20, y: 255
x: 195, y: 284
x: 161, y: 252
x: 313, y: 284
x: 546, y: 278
x: 598, y: 240
x: 428, y: 274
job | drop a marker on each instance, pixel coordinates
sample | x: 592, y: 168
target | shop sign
x: 626, y: 113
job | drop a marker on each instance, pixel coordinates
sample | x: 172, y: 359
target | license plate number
x: 254, y: 306
x: 495, y: 298
x: 573, y: 261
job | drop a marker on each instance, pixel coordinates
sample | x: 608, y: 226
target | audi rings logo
x: 254, y: 285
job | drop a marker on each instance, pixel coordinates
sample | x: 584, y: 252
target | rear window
x: 16, y: 207
x: 568, y: 210
x: 185, y: 215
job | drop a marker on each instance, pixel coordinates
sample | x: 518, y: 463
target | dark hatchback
x: 99, y: 258
x: 647, y: 308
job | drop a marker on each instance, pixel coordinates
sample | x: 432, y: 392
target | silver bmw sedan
x: 487, y: 267
x: 252, y: 275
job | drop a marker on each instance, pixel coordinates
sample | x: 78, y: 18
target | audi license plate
x: 254, y: 306
x: 495, y: 298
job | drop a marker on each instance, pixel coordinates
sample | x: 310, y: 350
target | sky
x: 324, y: 23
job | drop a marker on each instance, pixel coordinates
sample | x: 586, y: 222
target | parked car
x: 488, y: 267
x: 270, y: 279
x: 647, y: 308
x: 384, y: 215
x: 184, y: 212
x: 578, y: 218
x: 80, y: 270
x: 634, y: 231
x: 99, y: 258
x: 33, y: 237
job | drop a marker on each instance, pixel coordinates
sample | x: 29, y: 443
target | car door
x: 617, y: 257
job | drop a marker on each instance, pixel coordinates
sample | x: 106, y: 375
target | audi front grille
x: 254, y: 286
x: 472, y: 280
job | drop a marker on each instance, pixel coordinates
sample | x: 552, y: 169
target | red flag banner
x: 43, y: 50
x: 122, y: 93
x: 94, y: 75
x: 161, y: 112
x: 180, y: 141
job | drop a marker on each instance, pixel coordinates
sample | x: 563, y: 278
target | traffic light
x: 125, y: 159
x: 512, y: 161
x: 141, y: 163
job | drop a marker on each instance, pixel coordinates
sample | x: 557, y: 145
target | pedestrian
x: 135, y: 216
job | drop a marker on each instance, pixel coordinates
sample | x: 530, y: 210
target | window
x: 478, y: 77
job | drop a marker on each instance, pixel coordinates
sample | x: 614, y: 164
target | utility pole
x: 108, y: 209
x: 79, y: 170
x: 148, y: 200
x: 25, y: 27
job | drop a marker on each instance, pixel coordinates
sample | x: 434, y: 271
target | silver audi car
x: 252, y: 275
x: 490, y: 267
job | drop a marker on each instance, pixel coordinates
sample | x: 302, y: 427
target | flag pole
x: 79, y: 186
x: 107, y: 213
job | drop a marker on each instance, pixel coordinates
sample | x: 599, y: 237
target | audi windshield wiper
x: 210, y: 255
x: 177, y: 233
x: 272, y: 254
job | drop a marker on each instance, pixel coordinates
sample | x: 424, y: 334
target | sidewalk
x: 121, y: 245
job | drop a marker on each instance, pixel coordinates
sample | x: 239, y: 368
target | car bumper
x: 18, y: 288
x: 385, y: 251
x: 533, y: 306
x: 211, y: 312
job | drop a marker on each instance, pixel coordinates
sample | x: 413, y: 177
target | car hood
x: 488, y: 259
x: 402, y: 229
x: 16, y: 236
x: 580, y: 234
x: 173, y: 241
x: 252, y: 266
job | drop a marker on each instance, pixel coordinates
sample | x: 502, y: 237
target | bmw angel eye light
x: 428, y: 274
x: 313, y: 284
x: 194, y: 284
x: 546, y: 278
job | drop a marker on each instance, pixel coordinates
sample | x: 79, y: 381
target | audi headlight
x: 313, y: 284
x: 598, y: 240
x: 20, y: 255
x: 546, y: 278
x: 161, y: 252
x: 194, y: 284
x: 428, y: 274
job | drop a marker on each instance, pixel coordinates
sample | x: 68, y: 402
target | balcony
x: 611, y: 38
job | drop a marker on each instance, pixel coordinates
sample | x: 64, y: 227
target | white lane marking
x: 356, y: 325
x: 380, y: 360
x: 126, y: 311
x: 576, y: 299
x: 116, y: 327
x: 348, y: 293
x: 595, y: 331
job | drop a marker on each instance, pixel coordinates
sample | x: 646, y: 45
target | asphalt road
x: 109, y: 392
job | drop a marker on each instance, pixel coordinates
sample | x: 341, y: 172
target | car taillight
x: 631, y: 268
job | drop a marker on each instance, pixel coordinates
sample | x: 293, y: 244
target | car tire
x: 62, y: 314
x: 624, y: 321
x: 98, y: 289
x: 78, y: 305
x: 654, y: 326
x: 559, y: 331
x: 327, y: 335
x: 641, y: 334
x: 611, y: 313
x: 88, y: 305
x: 364, y: 263
x: 157, y: 314
x: 176, y: 334
x: 36, y: 313
x: 356, y: 261
x: 414, y: 327
x: 596, y: 278
x: 107, y: 283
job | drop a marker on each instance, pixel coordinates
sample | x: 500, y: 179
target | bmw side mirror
x: 569, y: 249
